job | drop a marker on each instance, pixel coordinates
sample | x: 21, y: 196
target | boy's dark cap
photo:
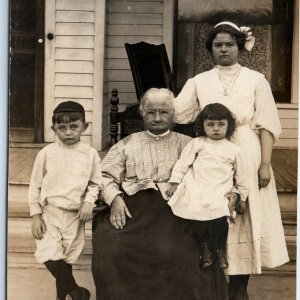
x: 69, y: 106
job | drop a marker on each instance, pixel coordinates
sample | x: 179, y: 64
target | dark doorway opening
x: 26, y: 103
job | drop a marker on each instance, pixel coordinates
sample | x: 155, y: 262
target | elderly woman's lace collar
x: 158, y: 136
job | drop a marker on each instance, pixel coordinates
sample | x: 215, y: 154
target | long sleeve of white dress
x: 186, y: 104
x: 265, y: 115
x: 186, y: 159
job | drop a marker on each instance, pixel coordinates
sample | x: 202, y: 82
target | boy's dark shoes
x: 222, y: 259
x: 60, y: 293
x: 206, y: 257
x: 80, y: 293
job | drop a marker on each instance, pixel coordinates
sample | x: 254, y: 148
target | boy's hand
x: 38, y: 227
x: 171, y: 189
x: 86, y: 211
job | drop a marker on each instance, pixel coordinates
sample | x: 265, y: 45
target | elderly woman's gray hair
x: 162, y: 94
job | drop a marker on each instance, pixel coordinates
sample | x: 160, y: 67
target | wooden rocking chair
x: 150, y: 68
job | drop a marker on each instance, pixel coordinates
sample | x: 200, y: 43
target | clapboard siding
x: 129, y: 22
x: 128, y: 19
x: 127, y: 98
x: 73, y: 48
x: 116, y: 52
x: 75, y: 16
x: 289, y: 123
x: 138, y: 7
x: 288, y: 113
x: 123, y: 87
x: 73, y: 66
x: 86, y: 5
x: 118, y: 64
x: 82, y: 42
x: 289, y: 133
x: 106, y: 95
x: 120, y: 75
x: 73, y: 79
x: 74, y: 54
x: 75, y: 29
x: 74, y: 92
x: 119, y: 41
x: 136, y: 29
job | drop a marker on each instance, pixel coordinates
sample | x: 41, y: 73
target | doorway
x: 26, y: 103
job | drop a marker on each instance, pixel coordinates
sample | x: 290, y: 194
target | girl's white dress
x: 256, y: 239
x: 205, y: 173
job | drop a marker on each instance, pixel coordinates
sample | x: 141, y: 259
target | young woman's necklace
x: 227, y: 89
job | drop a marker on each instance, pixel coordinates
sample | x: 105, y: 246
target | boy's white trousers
x: 64, y: 236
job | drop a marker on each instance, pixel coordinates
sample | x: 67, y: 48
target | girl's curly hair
x: 217, y: 111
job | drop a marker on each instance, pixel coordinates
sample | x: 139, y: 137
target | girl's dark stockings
x: 238, y: 287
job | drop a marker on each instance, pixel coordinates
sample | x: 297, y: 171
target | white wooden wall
x: 106, y: 93
x: 131, y: 22
x: 72, y: 61
x: 288, y: 115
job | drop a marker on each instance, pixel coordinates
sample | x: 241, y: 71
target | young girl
x: 209, y: 169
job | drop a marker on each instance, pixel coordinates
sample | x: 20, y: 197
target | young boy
x: 64, y: 185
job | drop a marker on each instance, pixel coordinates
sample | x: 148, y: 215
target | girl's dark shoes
x: 206, y: 256
x: 222, y: 259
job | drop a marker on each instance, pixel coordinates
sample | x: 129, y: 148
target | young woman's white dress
x: 257, y: 238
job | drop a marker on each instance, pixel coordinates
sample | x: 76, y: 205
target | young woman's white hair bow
x: 250, y: 40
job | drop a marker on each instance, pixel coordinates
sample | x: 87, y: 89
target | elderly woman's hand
x: 118, y: 212
x: 171, y: 189
x: 264, y: 175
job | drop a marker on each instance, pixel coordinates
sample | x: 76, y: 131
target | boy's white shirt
x: 65, y: 176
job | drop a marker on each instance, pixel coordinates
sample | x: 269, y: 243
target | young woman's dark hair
x: 237, y: 35
x: 217, y: 111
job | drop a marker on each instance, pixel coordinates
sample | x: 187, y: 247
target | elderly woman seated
x: 140, y: 249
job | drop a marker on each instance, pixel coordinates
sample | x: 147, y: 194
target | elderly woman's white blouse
x: 141, y: 161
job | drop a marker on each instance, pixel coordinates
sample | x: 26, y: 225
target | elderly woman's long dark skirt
x: 153, y: 258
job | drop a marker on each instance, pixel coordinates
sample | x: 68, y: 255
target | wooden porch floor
x: 284, y: 163
x: 21, y: 162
